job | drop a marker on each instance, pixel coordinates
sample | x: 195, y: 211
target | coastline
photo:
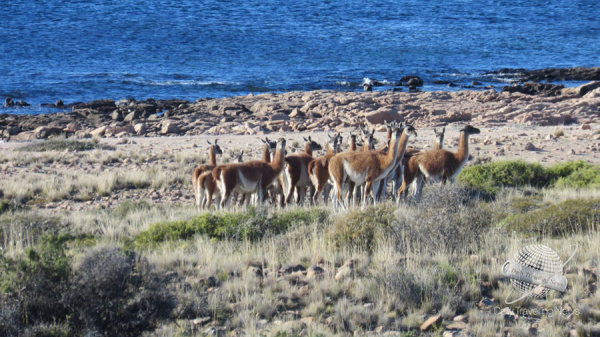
x: 311, y: 111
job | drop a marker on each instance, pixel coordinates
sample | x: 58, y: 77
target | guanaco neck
x: 278, y: 161
x: 439, y: 143
x: 391, y: 156
x: 368, y: 145
x: 402, y: 144
x: 463, y: 147
x: 308, y: 149
x: 266, y: 155
x: 212, y: 156
x: 330, y: 150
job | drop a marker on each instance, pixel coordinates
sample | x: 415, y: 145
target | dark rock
x: 8, y: 102
x: 441, y: 82
x: 532, y: 88
x: 59, y: 103
x: 146, y: 108
x: 22, y: 103
x: 102, y: 105
x: 411, y: 81
x: 550, y: 74
x: 13, y: 130
x: 291, y: 269
x: 476, y: 83
x: 581, y: 90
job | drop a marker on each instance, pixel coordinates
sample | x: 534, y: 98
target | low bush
x: 492, y: 177
x: 108, y: 292
x: 251, y: 224
x: 62, y: 145
x: 362, y: 228
x: 576, y: 175
x: 564, y: 218
x: 123, y: 294
x: 446, y: 221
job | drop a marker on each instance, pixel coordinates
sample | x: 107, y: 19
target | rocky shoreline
x: 529, y: 103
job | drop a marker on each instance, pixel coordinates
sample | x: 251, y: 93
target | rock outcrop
x: 322, y: 110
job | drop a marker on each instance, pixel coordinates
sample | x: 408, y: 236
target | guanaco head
x: 439, y: 133
x: 281, y: 145
x: 239, y: 157
x: 216, y: 146
x: 272, y: 144
x: 409, y: 129
x: 311, y: 145
x: 469, y: 130
x: 354, y: 144
x: 337, y: 145
x: 368, y: 138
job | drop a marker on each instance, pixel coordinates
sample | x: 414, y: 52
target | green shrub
x: 251, y: 224
x: 31, y: 289
x: 578, y: 174
x: 563, y: 218
x: 108, y: 293
x: 62, y: 145
x: 492, y: 177
x: 361, y: 228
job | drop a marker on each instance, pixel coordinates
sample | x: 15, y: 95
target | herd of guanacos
x: 356, y: 176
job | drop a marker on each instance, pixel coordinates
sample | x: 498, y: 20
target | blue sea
x: 81, y: 50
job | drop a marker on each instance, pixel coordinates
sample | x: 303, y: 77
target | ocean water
x: 80, y: 50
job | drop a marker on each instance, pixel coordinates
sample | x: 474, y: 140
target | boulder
x: 279, y: 117
x: 291, y: 269
x: 72, y: 127
x: 99, y: 131
x: 117, y: 116
x: 133, y: 115
x: 12, y: 130
x: 345, y: 271
x: 8, y: 102
x: 431, y: 322
x: 140, y: 128
x: 103, y: 105
x: 296, y: 113
x: 315, y: 273
x: 170, y: 127
x: 532, y: 88
x: 411, y: 81
x: 44, y: 132
x: 22, y: 103
x: 582, y: 90
x: 383, y: 114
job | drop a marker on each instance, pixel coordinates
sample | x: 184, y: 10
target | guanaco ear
x: 216, y: 140
x: 306, y: 140
x: 242, y: 153
x: 443, y: 129
x: 208, y: 141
